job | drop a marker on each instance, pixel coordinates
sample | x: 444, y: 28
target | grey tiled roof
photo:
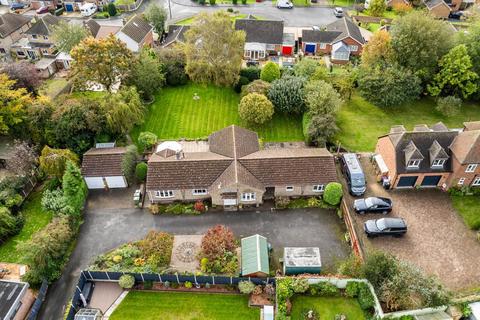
x: 44, y: 25
x: 137, y: 28
x: 319, y: 36
x: 262, y: 31
x: 10, y: 22
x: 103, y: 162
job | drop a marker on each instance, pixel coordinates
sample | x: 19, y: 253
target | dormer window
x: 438, y: 163
x: 413, y: 163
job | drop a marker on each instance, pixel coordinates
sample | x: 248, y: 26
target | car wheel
x: 384, y: 212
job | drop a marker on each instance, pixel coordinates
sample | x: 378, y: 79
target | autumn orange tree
x: 13, y: 103
x: 378, y: 50
x: 101, y: 61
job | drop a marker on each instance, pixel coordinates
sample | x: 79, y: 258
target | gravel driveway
x: 110, y: 221
x: 437, y: 240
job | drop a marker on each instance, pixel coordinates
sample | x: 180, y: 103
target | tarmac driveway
x: 437, y: 240
x: 110, y: 221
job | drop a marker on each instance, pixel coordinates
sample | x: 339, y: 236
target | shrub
x: 305, y: 68
x: 230, y: 9
x: 8, y: 224
x: 255, y: 109
x: 244, y: 1
x: 377, y: 7
x: 251, y: 73
x: 112, y: 9
x: 333, y: 193
x: 126, y: 281
x: 258, y: 290
x: 203, y: 264
x: 117, y: 259
x: 269, y: 289
x: 351, y: 290
x: 216, y: 241
x: 146, y: 140
x: 448, y: 106
x: 53, y: 161
x: 300, y: 285
x: 365, y: 297
x: 141, y: 171
x: 53, y: 201
x: 257, y: 86
x: 351, y: 267
x: 270, y: 72
x: 323, y: 289
x: 212, y: 2
x: 242, y: 81
x: 246, y: 287
x: 74, y: 189
x: 188, y: 284
x: 129, y: 162
x: 402, y: 8
x: 199, y: 206
x: 166, y: 284
x: 173, y: 61
x: 287, y: 94
x: 202, y: 2
x: 318, y: 129
x: 159, y: 244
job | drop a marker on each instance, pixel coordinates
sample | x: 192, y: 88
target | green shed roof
x: 254, y: 255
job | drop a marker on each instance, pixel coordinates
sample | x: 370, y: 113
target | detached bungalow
x: 136, y: 33
x: 102, y: 168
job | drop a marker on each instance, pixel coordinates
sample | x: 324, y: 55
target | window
x: 247, y: 53
x: 34, y: 36
x: 199, y: 192
x: 323, y: 46
x: 318, y: 188
x: 20, y: 53
x: 341, y: 56
x: 461, y: 181
x: 164, y: 194
x: 45, y: 51
x: 45, y: 38
x: 3, y: 51
x: 471, y: 168
x: 413, y: 163
x: 248, y: 196
x: 476, y: 182
x: 353, y: 48
x: 438, y: 163
x: 289, y: 188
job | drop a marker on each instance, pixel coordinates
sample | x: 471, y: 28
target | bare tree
x: 23, y: 160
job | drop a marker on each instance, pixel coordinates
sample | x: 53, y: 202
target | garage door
x: 407, y: 182
x: 116, y: 182
x: 310, y: 48
x: 431, y: 181
x: 94, y: 182
x: 69, y: 7
x: 287, y: 51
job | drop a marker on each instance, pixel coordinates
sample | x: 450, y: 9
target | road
x: 110, y: 222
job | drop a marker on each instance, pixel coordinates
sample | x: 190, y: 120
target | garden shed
x: 255, y: 256
x: 298, y: 260
x: 102, y: 168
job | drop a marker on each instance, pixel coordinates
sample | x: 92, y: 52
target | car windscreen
x: 358, y: 180
x: 381, y: 224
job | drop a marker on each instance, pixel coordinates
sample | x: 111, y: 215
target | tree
x: 472, y: 40
x: 23, y: 160
x: 456, y: 76
x: 287, y: 94
x: 344, y: 83
x: 270, y: 72
x: 123, y: 110
x: 257, y: 86
x: 13, y: 103
x: 216, y: 241
x: 8, y: 224
x: 389, y: 86
x: 173, y: 61
x: 147, y: 74
x: 111, y: 9
x: 103, y: 61
x: 333, y: 193
x: 68, y: 35
x: 305, y: 68
x: 141, y: 171
x: 377, y: 7
x: 214, y: 49
x: 255, y: 109
x: 319, y: 129
x: 251, y: 73
x: 449, y: 105
x: 157, y: 16
x: 24, y: 74
x: 419, y: 41
x: 146, y: 140
x: 54, y: 161
x: 321, y: 98
x: 74, y: 188
x: 129, y: 163
x: 377, y: 51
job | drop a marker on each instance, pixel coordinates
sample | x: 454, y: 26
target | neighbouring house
x: 12, y: 27
x: 233, y: 171
x: 12, y: 294
x: 263, y: 38
x: 460, y: 4
x: 394, y: 3
x: 300, y: 260
x: 102, y: 168
x: 102, y: 31
x: 176, y: 34
x: 37, y: 4
x: 255, y: 256
x: 136, y: 33
x: 341, y: 40
x: 438, y: 8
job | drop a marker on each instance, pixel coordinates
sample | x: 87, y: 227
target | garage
x: 287, y: 51
x: 431, y: 181
x: 102, y: 168
x: 310, y: 48
x: 407, y: 182
x: 116, y: 182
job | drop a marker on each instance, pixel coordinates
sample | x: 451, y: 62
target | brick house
x: 232, y: 170
x: 12, y: 28
x: 341, y: 39
x: 136, y: 33
x: 438, y: 8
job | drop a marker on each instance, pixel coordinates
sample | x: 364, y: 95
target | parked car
x: 396, y: 227
x: 43, y: 9
x: 373, y: 204
x: 338, y: 12
x: 353, y: 172
x: 17, y: 6
x: 284, y: 4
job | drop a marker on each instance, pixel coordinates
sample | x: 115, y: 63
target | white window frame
x: 471, y: 167
x: 44, y: 51
x: 476, y: 182
x: 199, y: 192
x: 164, y: 194
x: 353, y: 48
x: 318, y: 188
x: 413, y: 163
x: 289, y: 188
x: 249, y: 196
x: 323, y: 45
x: 21, y: 53
x: 438, y: 163
x: 461, y: 181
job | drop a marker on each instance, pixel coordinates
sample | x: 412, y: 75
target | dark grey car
x: 373, y: 204
x: 385, y: 227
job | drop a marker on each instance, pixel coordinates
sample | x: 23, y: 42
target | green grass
x: 301, y: 3
x: 175, y: 114
x: 469, y: 209
x: 341, y: 3
x: 190, y: 20
x: 52, y: 87
x: 124, y: 2
x: 327, y: 307
x: 361, y: 122
x: 184, y: 305
x: 35, y: 219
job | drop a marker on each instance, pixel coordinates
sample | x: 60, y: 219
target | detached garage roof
x: 254, y: 255
x: 103, y: 162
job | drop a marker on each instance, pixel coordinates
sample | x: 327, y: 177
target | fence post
x: 83, y: 274
x: 195, y: 277
x: 108, y: 276
x: 141, y: 275
x: 160, y: 277
x: 178, y: 281
x: 213, y: 280
x: 91, y: 278
x: 231, y: 280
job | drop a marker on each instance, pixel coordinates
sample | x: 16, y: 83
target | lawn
x: 52, y: 87
x: 184, y: 305
x: 469, y: 208
x: 361, y: 122
x: 189, y: 20
x: 301, y: 3
x: 341, y: 3
x: 327, y: 307
x: 35, y: 219
x: 175, y: 114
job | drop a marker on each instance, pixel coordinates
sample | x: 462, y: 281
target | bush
x: 212, y: 2
x: 270, y: 72
x: 111, y: 9
x: 235, y: 2
x: 244, y: 1
x: 251, y: 73
x: 449, y: 106
x: 333, y: 193
x: 129, y: 162
x: 203, y: 264
x: 218, y: 246
x: 146, y: 140
x: 199, y: 206
x: 255, y: 109
x: 257, y: 86
x: 188, y: 284
x: 240, y: 83
x: 300, y: 285
x: 53, y: 161
x: 173, y: 61
x: 365, y: 297
x: 287, y: 95
x: 141, y: 171
x: 53, y: 201
x: 74, y: 189
x: 323, y: 289
x: 8, y: 224
x: 166, y: 284
x: 319, y: 128
x: 126, y: 281
x: 258, y: 290
x: 246, y: 287
x: 351, y: 290
x: 305, y: 68
x: 158, y: 244
x: 202, y: 2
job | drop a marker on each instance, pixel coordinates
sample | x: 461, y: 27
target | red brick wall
x: 148, y: 41
x: 351, y: 42
x: 459, y: 172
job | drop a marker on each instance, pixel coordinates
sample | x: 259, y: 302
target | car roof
x: 394, y: 222
x: 338, y: 9
x: 379, y: 200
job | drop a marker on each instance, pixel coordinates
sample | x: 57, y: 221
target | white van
x: 88, y: 9
x: 284, y: 4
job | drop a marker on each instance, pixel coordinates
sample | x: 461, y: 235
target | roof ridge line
x: 235, y: 154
